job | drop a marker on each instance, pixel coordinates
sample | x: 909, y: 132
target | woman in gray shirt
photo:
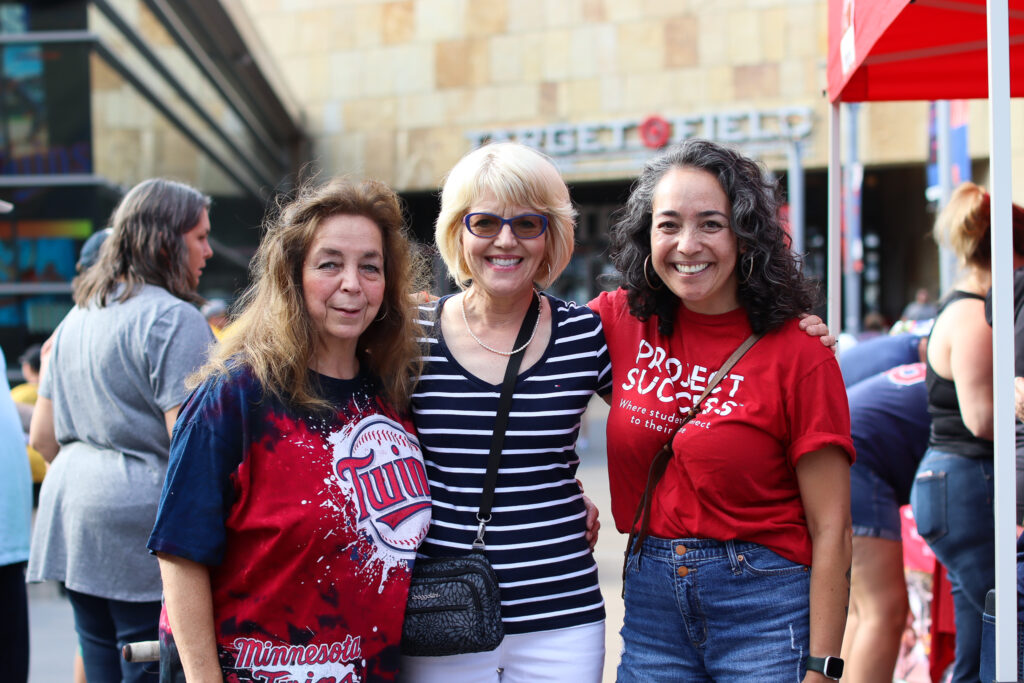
x: 109, y: 395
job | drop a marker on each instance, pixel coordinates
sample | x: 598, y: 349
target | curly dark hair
x: 775, y: 290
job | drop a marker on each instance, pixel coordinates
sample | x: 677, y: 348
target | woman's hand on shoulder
x: 816, y: 327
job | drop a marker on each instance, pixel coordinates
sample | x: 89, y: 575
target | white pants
x: 569, y: 654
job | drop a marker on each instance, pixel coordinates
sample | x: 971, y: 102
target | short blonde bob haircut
x: 273, y: 334
x: 516, y: 175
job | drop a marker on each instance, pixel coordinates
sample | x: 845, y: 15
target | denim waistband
x: 691, y: 550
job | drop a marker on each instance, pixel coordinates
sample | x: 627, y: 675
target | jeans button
x: 680, y: 550
x: 682, y: 571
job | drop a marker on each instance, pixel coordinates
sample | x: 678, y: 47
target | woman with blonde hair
x: 109, y: 394
x: 296, y: 495
x: 953, y: 490
x: 505, y: 231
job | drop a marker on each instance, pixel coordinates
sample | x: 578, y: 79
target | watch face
x: 833, y: 667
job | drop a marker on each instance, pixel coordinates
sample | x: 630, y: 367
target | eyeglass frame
x: 506, y: 221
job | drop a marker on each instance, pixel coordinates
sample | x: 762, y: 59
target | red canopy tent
x: 939, y: 50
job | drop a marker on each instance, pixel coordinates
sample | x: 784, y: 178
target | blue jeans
x: 874, y: 505
x: 703, y: 610
x: 104, y: 626
x: 952, y: 503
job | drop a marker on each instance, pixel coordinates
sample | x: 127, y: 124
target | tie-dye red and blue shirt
x: 308, y: 521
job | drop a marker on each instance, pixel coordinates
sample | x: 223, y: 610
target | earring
x: 750, y: 267
x: 380, y: 318
x: 646, y: 261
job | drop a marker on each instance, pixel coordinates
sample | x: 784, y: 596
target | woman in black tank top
x: 953, y: 490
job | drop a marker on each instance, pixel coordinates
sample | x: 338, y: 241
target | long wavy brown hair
x: 273, y: 334
x: 146, y: 245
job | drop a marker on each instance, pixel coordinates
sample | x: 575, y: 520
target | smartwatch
x: 831, y: 667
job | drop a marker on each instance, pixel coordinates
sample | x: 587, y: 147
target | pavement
x: 52, y: 630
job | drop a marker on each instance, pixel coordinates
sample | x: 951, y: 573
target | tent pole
x: 948, y: 267
x: 835, y: 200
x: 1002, y: 338
x: 795, y: 196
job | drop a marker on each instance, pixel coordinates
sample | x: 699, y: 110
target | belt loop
x: 734, y: 562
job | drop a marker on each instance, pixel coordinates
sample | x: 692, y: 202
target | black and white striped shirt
x: 535, y: 540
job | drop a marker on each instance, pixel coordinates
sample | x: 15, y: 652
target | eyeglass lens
x: 525, y: 226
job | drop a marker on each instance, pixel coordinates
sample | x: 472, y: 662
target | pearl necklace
x: 536, y: 326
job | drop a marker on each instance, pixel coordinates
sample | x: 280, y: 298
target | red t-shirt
x: 734, y: 471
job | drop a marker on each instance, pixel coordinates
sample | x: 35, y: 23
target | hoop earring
x: 646, y: 261
x: 380, y: 318
x: 750, y: 267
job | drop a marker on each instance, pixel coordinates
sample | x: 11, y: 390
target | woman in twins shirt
x: 745, y: 573
x: 296, y: 495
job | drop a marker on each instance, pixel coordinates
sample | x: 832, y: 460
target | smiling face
x: 343, y: 282
x: 197, y: 248
x: 503, y: 266
x: 693, y: 248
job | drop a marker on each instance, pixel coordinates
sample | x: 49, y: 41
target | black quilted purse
x: 454, y: 605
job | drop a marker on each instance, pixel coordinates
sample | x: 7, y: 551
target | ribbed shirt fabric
x: 535, y: 540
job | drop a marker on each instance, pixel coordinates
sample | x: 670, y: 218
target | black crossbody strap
x: 501, y: 420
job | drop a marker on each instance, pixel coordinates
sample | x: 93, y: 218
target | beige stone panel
x: 552, y: 102
x: 101, y: 76
x: 378, y: 75
x: 774, y: 37
x: 398, y: 22
x: 594, y: 11
x: 370, y: 114
x: 152, y: 31
x: 803, y: 29
x: 720, y: 85
x: 440, y: 19
x: 344, y: 27
x: 506, y: 55
x: 648, y: 93
x: 519, y: 102
x: 744, y: 37
x: 314, y: 29
x: 681, y: 40
x: 581, y: 99
x: 690, y: 88
x: 346, y: 153
x: 619, y: 11
x: 427, y: 155
x: 461, y: 63
x: 892, y: 132
x: 482, y: 106
x: 797, y: 78
x: 713, y: 37
x: 369, y: 24
x: 556, y: 58
x: 534, y: 55
x: 613, y: 95
x: 413, y: 68
x: 593, y: 51
x: 487, y: 17
x: 563, y: 13
x: 756, y: 81
x: 660, y: 8
x: 344, y: 75
x: 319, y: 83
x: 421, y: 110
x: 526, y: 17
x: 641, y: 46
x: 299, y: 75
x: 379, y: 155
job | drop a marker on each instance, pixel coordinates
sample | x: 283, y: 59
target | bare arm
x: 169, y: 417
x: 970, y: 365
x: 189, y: 602
x: 824, y: 479
x: 40, y: 433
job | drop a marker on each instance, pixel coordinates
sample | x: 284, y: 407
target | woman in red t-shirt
x: 745, y: 574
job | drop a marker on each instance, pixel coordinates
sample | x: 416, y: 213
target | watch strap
x: 830, y: 667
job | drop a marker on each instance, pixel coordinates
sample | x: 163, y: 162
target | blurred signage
x: 784, y: 124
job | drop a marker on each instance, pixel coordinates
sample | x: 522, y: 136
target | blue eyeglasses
x: 526, y: 226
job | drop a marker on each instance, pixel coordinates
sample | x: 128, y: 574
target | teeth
x: 690, y: 270
x: 504, y: 261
